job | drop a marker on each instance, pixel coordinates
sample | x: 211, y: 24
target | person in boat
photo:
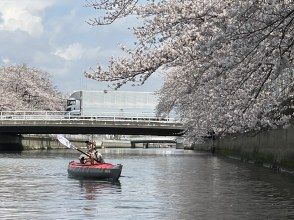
x: 95, y: 156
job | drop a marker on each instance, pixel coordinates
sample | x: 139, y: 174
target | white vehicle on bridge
x: 109, y: 104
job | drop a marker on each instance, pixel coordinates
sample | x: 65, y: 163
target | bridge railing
x: 63, y: 115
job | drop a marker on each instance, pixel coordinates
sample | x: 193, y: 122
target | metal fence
x: 63, y: 115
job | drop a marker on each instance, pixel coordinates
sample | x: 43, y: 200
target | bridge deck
x: 60, y: 124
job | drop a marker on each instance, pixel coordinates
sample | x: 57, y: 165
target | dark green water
x: 156, y: 184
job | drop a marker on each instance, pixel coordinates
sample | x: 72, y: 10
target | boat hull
x: 103, y: 171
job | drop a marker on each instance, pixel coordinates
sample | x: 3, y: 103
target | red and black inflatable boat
x: 100, y: 171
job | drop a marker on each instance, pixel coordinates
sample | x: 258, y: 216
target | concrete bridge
x: 60, y: 123
x: 13, y: 124
x: 148, y: 140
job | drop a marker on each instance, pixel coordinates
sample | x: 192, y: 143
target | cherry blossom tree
x: 24, y: 88
x: 228, y: 65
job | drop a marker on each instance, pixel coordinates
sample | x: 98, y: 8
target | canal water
x: 156, y: 184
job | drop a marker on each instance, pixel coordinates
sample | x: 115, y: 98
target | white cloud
x: 6, y: 60
x: 75, y: 51
x: 72, y: 52
x: 62, y: 43
x: 23, y: 15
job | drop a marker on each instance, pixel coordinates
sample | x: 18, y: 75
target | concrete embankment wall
x: 35, y: 142
x: 48, y: 142
x: 274, y: 148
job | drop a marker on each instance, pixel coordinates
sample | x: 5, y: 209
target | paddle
x: 67, y: 143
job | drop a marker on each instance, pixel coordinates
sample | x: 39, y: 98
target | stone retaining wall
x: 274, y: 148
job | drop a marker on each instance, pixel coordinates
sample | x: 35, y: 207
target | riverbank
x: 273, y: 149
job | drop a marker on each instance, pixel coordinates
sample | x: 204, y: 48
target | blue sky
x: 53, y: 36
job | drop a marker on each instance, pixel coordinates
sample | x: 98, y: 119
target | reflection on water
x: 156, y: 184
x: 93, y: 189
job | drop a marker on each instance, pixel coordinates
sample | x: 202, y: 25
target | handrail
x: 63, y: 115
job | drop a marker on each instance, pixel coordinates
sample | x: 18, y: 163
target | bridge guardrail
x: 62, y: 115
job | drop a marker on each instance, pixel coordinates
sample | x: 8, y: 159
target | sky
x: 53, y: 36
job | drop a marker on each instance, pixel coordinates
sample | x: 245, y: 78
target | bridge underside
x: 59, y: 129
x: 10, y: 142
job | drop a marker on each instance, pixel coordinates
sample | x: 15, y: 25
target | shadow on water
x: 10, y: 147
x: 9, y: 152
x: 280, y: 180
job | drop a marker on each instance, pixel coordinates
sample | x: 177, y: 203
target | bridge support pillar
x: 179, y: 143
x: 133, y: 145
x: 10, y: 142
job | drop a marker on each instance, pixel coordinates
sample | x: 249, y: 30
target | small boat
x: 100, y: 171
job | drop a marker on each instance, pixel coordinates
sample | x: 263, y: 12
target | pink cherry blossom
x: 228, y: 65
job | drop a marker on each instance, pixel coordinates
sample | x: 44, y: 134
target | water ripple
x: 156, y: 184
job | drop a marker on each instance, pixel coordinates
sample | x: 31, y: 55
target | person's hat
x: 88, y: 142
